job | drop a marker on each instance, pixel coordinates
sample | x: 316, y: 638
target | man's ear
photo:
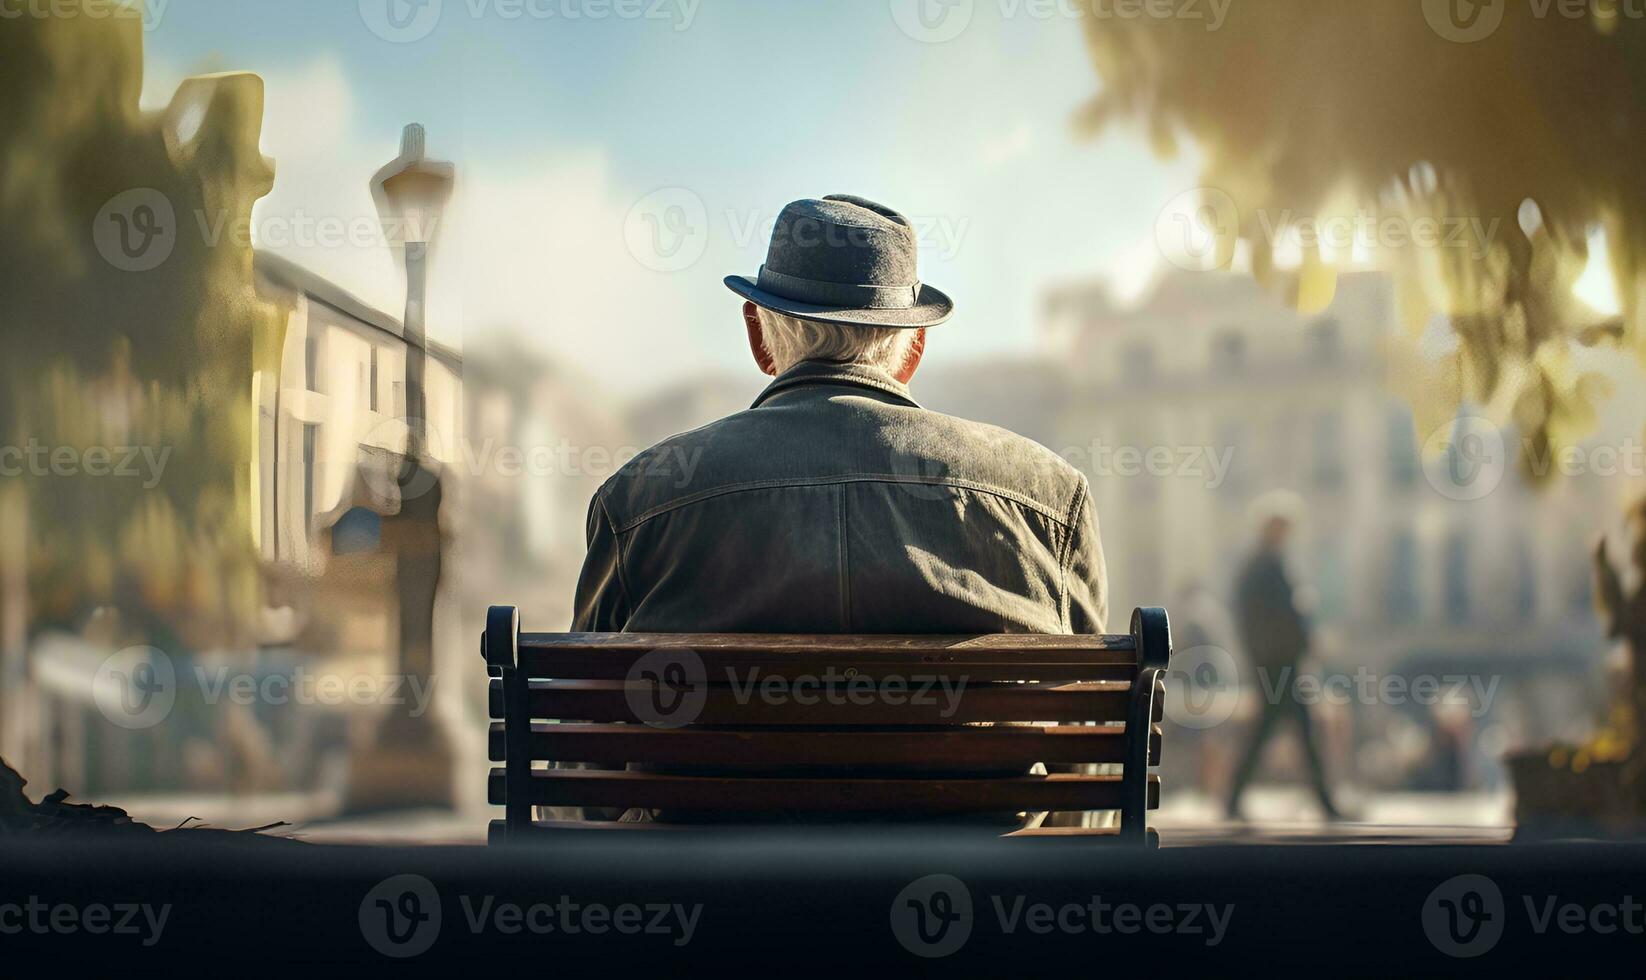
x: 911, y: 364
x: 757, y: 340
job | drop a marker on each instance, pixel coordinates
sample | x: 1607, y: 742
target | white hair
x: 791, y: 340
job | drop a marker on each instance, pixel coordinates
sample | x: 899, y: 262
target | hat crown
x: 846, y: 240
x: 844, y: 260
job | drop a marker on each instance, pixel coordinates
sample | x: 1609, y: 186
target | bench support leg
x: 502, y: 653
x: 1152, y: 634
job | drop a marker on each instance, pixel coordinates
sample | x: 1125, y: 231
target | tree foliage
x: 100, y: 354
x: 1305, y: 108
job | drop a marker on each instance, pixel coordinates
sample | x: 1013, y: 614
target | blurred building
x: 330, y: 522
x: 541, y: 440
x: 1231, y: 394
x: 331, y: 440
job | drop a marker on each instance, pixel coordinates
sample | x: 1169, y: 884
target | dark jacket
x: 837, y: 505
x: 1274, y: 632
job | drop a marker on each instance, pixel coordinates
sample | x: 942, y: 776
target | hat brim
x: 931, y: 308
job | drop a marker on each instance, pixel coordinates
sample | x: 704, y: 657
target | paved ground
x: 1287, y: 815
x: 1275, y: 814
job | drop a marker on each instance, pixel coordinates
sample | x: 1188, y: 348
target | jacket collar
x: 821, y: 373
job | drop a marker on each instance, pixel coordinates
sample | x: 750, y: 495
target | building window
x: 1328, y: 450
x: 1229, y: 351
x: 1137, y: 363
x: 1325, y: 341
x: 1231, y: 439
x: 371, y: 387
x: 311, y: 436
x: 311, y: 361
x: 357, y: 531
x: 1403, y: 461
x: 1457, y: 577
x: 1401, y: 599
x: 1525, y: 582
x: 1582, y: 595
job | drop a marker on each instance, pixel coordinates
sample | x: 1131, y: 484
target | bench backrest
x: 827, y: 725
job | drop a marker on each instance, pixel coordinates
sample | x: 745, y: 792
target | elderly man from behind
x: 835, y: 503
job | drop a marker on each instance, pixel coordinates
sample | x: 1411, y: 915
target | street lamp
x: 411, y: 192
x: 410, y: 762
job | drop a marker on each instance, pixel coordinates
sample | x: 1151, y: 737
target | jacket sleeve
x: 602, y: 602
x: 1087, y: 580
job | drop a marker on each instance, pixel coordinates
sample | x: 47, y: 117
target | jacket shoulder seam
x: 748, y: 485
x: 1071, y: 530
x: 617, y: 540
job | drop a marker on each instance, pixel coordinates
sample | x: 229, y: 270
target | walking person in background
x: 1276, y: 635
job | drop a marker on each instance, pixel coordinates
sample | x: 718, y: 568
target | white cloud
x: 540, y: 250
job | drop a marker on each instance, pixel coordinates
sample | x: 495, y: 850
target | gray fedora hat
x: 844, y: 260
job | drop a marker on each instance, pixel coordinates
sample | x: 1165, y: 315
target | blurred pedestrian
x: 1276, y: 635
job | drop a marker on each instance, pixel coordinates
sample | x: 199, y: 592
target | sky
x: 617, y: 158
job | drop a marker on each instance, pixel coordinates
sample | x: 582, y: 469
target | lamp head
x: 411, y: 192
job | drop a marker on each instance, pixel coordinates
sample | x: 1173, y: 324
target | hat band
x: 820, y: 292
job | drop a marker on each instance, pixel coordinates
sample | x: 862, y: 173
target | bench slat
x: 561, y: 787
x: 609, y: 701
x: 744, y: 668
x: 1006, y: 747
x: 887, y: 644
x: 497, y: 831
x: 727, y: 657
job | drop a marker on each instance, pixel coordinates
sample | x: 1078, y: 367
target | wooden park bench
x: 824, y: 726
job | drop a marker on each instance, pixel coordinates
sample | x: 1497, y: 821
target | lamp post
x: 409, y: 763
x: 411, y: 192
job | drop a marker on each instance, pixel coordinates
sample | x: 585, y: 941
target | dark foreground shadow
x: 823, y: 901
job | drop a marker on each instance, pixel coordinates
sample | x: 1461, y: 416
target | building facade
x: 1188, y: 406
